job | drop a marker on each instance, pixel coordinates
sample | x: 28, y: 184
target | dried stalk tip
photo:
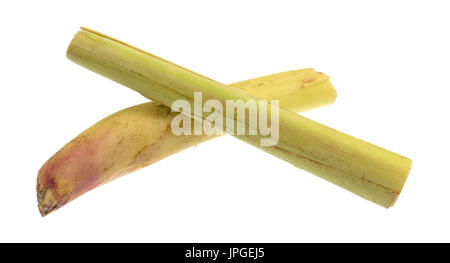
x: 45, y: 202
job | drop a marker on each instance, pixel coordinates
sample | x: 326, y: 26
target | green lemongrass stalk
x: 373, y: 173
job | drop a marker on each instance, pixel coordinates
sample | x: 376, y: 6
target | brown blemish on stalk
x: 108, y: 167
x: 163, y: 110
x: 309, y: 80
x: 141, y: 151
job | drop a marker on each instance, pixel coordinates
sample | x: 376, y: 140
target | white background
x: 388, y: 60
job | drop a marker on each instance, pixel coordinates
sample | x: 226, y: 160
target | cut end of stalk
x: 46, y: 201
x: 304, y: 89
x: 407, y: 171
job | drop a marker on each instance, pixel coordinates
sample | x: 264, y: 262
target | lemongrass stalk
x: 138, y: 136
x: 371, y: 172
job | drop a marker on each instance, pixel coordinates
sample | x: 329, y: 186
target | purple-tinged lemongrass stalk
x: 140, y: 135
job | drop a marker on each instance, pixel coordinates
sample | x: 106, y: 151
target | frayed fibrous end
x: 46, y: 200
